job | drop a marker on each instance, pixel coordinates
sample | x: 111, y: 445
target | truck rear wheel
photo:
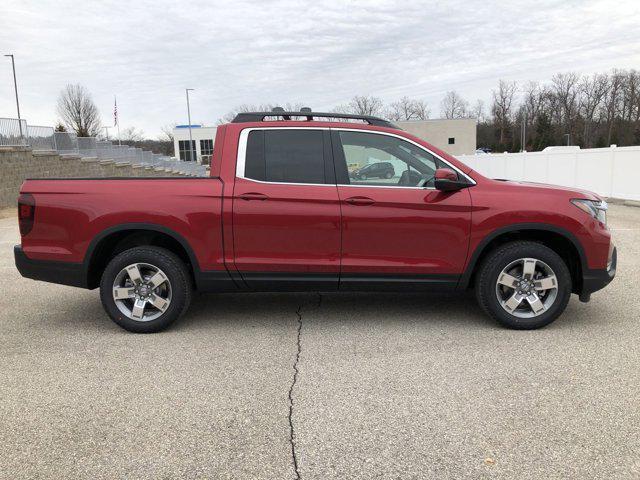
x: 523, y: 285
x: 145, y: 289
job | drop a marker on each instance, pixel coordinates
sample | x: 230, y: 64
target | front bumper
x: 594, y: 280
x: 64, y: 273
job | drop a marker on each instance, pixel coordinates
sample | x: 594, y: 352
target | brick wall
x: 18, y: 163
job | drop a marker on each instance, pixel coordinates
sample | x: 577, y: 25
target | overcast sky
x: 316, y: 53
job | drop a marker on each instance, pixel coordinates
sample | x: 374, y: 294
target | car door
x: 398, y: 232
x: 286, y: 212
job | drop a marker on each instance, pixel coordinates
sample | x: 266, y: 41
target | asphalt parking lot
x: 382, y: 385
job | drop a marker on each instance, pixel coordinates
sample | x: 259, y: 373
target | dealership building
x: 455, y: 136
x: 201, y: 142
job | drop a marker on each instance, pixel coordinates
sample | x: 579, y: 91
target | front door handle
x: 360, y: 201
x: 253, y: 196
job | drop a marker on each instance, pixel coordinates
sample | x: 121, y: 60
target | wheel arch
x: 118, y: 238
x: 558, y: 239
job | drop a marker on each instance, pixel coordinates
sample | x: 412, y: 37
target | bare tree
x: 78, y: 112
x: 408, y: 109
x: 292, y: 107
x: 421, y: 110
x: 244, y: 108
x: 454, y: 106
x: 167, y: 133
x: 478, y: 111
x: 533, y: 103
x: 131, y: 134
x: 630, y: 109
x: 401, y: 110
x: 630, y: 95
x: 565, y: 88
x: 263, y: 107
x: 362, y: 105
x: 611, y: 103
x: 592, y: 93
x: 533, y: 100
x: 502, y: 107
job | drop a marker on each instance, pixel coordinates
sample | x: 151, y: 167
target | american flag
x: 115, y: 112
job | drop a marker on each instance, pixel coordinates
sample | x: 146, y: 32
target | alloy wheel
x: 526, y: 288
x: 142, y: 292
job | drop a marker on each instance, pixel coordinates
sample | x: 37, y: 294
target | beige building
x: 455, y: 136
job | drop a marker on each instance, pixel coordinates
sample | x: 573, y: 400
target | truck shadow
x: 210, y: 311
x: 435, y: 310
x: 334, y: 307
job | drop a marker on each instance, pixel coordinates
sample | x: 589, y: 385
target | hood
x: 570, y: 191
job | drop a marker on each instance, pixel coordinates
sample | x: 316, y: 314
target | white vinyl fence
x: 610, y: 172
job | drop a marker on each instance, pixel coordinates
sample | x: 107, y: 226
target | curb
x: 622, y: 201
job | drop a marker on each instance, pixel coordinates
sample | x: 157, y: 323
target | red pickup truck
x: 283, y: 210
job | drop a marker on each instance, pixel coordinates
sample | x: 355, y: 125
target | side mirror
x: 446, y: 180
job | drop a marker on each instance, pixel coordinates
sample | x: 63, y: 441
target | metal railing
x: 66, y: 142
x: 87, y: 146
x: 10, y: 133
x: 41, y: 138
x: 45, y: 138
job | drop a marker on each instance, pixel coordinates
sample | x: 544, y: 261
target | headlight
x: 596, y: 208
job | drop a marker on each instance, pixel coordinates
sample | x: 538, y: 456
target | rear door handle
x: 360, y: 201
x: 253, y: 196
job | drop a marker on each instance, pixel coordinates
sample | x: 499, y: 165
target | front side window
x: 285, y: 156
x: 381, y: 160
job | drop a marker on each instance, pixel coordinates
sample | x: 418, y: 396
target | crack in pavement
x: 293, y: 384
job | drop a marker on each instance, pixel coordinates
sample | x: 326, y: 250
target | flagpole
x: 115, y: 117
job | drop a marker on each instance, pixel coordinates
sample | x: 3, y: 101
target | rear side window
x: 288, y: 156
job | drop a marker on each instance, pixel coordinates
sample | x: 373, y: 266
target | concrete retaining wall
x: 18, y: 163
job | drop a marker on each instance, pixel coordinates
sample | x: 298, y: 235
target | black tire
x: 363, y: 177
x: 174, y: 269
x: 500, y: 258
x: 388, y: 175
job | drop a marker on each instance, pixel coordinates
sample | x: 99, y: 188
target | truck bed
x: 73, y: 215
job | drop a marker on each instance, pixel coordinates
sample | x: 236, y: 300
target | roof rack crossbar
x: 260, y: 116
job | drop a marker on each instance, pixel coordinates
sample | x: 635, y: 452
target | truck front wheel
x: 523, y: 285
x: 145, y: 289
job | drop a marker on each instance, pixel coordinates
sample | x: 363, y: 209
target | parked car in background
x: 482, y: 150
x: 374, y: 170
x: 280, y: 213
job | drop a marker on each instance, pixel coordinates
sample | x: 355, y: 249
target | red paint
x: 70, y: 213
x: 251, y: 226
x: 293, y: 228
x: 405, y: 230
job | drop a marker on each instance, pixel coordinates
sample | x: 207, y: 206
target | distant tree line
x: 589, y: 111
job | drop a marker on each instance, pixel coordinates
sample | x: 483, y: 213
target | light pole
x: 523, y: 132
x: 191, y: 146
x: 568, y: 135
x: 106, y: 132
x: 15, y: 86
